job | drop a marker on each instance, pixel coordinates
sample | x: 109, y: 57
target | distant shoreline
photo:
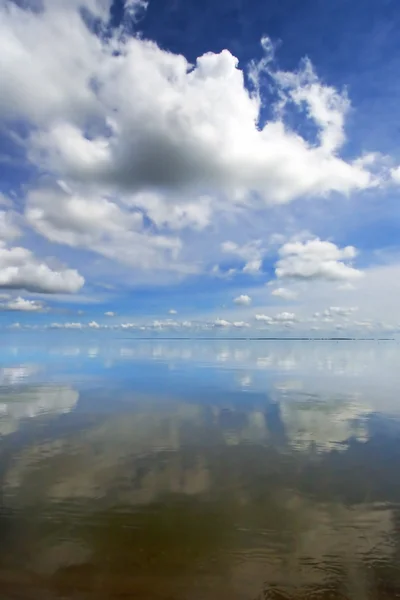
x: 86, y: 333
x: 259, y: 339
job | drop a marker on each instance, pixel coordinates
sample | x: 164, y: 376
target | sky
x: 200, y: 168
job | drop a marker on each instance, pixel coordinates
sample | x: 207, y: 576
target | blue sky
x: 185, y: 167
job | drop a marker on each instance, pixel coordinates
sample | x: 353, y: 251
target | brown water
x: 171, y: 477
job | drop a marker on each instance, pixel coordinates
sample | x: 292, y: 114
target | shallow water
x: 191, y: 470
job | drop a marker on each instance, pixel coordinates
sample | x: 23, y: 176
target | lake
x: 198, y: 469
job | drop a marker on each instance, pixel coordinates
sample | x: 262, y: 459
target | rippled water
x: 177, y: 470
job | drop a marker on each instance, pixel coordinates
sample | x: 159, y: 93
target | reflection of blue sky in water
x: 325, y: 391
x: 276, y: 461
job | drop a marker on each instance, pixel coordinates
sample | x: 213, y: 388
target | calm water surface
x: 201, y: 470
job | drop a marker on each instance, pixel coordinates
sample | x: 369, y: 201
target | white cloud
x: 101, y: 225
x: 325, y: 105
x: 395, y: 173
x: 66, y: 326
x: 192, y: 128
x: 172, y: 311
x: 146, y: 146
x: 253, y: 266
x: 284, y: 293
x: 159, y: 324
x: 175, y: 213
x: 20, y: 269
x: 242, y: 300
x: 75, y: 220
x: 364, y: 325
x: 251, y: 253
x: 280, y: 319
x: 21, y: 304
x: 284, y: 317
x: 109, y: 313
x: 134, y: 9
x: 9, y: 230
x: 216, y: 271
x: 221, y: 323
x: 224, y: 324
x: 39, y: 85
x: 340, y: 311
x: 346, y: 287
x: 155, y: 325
x: 316, y: 259
x: 187, y: 126
x: 264, y: 319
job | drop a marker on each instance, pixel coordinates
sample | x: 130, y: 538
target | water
x: 191, y: 470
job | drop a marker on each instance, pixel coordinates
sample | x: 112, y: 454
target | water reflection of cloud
x: 245, y: 380
x: 350, y: 358
x: 322, y: 421
x: 289, y: 385
x: 17, y: 374
x: 31, y: 402
x: 364, y: 376
x: 249, y: 439
x: 326, y: 425
x: 66, y: 351
x: 171, y: 443
x: 217, y: 458
x: 367, y: 367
